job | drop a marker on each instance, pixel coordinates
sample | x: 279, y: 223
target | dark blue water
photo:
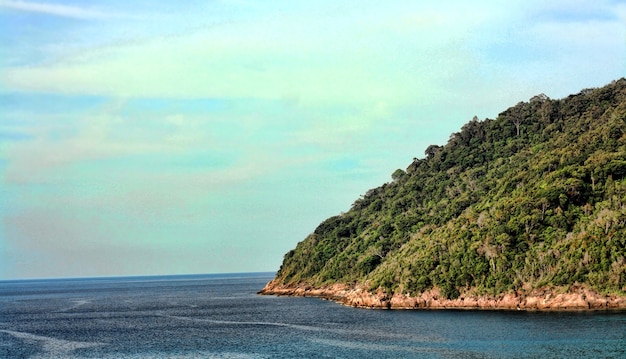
x: 221, y: 317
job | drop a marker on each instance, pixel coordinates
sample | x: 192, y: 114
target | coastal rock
x: 573, y: 298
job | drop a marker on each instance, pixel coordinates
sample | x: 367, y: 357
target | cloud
x: 390, y: 56
x: 55, y: 10
x: 576, y: 11
x: 123, y: 145
x: 312, y: 60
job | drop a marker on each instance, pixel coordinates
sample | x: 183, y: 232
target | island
x: 526, y: 211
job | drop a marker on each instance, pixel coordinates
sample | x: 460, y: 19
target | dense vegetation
x: 534, y: 198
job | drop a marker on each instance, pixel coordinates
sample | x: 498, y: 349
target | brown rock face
x: 575, y: 298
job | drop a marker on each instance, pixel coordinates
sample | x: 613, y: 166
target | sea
x: 221, y: 316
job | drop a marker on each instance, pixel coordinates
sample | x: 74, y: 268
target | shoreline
x: 576, y: 298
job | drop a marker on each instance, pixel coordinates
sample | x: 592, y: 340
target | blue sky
x: 154, y: 137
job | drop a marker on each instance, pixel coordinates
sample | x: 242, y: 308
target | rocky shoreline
x: 545, y: 299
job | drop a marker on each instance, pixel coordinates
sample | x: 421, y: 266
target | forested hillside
x: 534, y: 198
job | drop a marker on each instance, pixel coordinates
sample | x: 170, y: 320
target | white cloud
x: 316, y: 60
x: 56, y: 9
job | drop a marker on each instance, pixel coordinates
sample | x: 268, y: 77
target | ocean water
x: 220, y: 316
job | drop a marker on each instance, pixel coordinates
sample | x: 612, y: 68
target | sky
x: 161, y: 137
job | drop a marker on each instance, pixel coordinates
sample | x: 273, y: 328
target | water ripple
x: 52, y: 347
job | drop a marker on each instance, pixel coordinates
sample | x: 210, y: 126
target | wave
x: 328, y: 329
x: 52, y: 347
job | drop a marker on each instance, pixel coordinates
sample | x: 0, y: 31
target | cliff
x: 525, y: 211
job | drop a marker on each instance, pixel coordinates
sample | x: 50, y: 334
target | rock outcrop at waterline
x: 573, y: 298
